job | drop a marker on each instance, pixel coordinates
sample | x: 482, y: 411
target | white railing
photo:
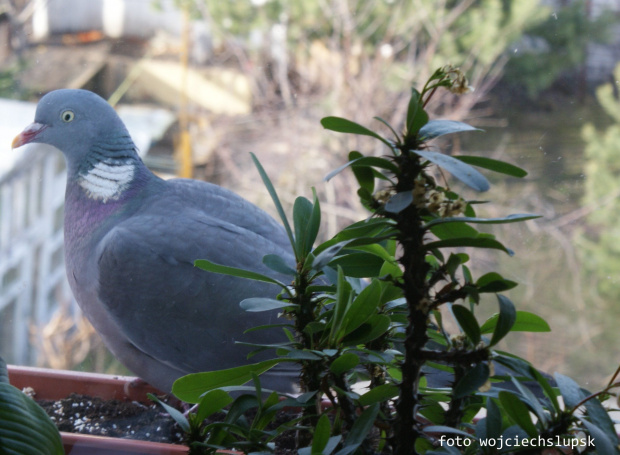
x: 32, y: 275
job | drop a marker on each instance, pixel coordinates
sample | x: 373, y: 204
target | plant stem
x: 415, y: 289
x: 310, y: 369
x: 348, y: 410
x: 454, y: 413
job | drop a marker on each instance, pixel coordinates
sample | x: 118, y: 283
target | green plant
x: 373, y: 304
x: 25, y: 428
x: 235, y: 431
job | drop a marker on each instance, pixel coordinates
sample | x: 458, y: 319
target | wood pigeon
x: 131, y: 240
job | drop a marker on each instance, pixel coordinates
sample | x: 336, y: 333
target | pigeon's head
x: 72, y: 121
x: 100, y: 154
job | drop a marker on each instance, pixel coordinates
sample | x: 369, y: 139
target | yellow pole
x: 184, y: 153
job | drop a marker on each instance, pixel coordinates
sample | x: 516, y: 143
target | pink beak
x: 28, y: 135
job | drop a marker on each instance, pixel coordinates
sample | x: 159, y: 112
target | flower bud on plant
x: 485, y: 387
x: 425, y: 305
x: 435, y: 200
x: 459, y: 85
x: 382, y: 196
x: 458, y: 341
x: 456, y: 207
x: 419, y: 193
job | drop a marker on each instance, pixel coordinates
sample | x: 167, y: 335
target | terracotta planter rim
x: 57, y: 384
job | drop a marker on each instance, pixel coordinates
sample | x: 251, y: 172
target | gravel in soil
x: 132, y: 420
x: 115, y: 418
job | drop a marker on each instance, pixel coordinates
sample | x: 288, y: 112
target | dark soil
x: 120, y: 419
x: 133, y: 420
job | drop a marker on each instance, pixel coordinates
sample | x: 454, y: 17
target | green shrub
x: 371, y: 304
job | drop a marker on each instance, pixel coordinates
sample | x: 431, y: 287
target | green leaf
x: 331, y: 445
x: 460, y: 170
x: 493, y: 165
x: 365, y: 197
x: 524, y: 322
x: 515, y: 363
x: 363, y: 174
x: 547, y: 389
x: 314, y: 223
x: 306, y: 220
x: 602, y: 442
x: 379, y: 394
x: 453, y: 231
x: 389, y: 291
x: 322, y: 433
x: 389, y: 127
x: 314, y: 327
x: 372, y: 227
x: 277, y: 264
x: 274, y: 197
x: 234, y: 271
x: 370, y: 330
x: 364, y: 161
x: 327, y: 254
x: 494, y: 282
x: 361, y: 308
x: 176, y: 415
x: 359, y: 265
x: 305, y: 397
x: 467, y: 321
x: 258, y: 304
x: 343, y: 299
x: 472, y: 380
x: 487, y: 278
x: 416, y: 115
x: 240, y: 406
x: 518, y: 412
x: 599, y: 416
x: 399, y: 202
x: 433, y: 412
x: 570, y: 390
x: 515, y: 218
x: 344, y: 363
x: 212, y: 402
x: 4, y: 372
x: 24, y: 425
x: 506, y: 320
x: 326, y: 251
x: 329, y: 448
x: 303, y: 354
x: 480, y: 242
x: 531, y: 401
x: 436, y: 128
x: 360, y: 430
x: 191, y: 387
x: 341, y: 125
x: 493, y: 419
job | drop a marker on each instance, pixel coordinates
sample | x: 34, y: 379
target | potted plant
x: 47, y: 384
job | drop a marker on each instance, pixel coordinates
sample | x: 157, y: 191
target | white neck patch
x: 107, y: 181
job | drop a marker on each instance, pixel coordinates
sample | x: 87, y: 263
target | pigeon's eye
x: 67, y: 116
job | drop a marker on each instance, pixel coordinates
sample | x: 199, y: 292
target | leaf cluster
x: 24, y: 425
x: 236, y: 430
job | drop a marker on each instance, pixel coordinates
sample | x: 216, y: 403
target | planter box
x: 56, y: 384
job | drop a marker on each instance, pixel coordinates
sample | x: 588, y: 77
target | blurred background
x: 201, y: 83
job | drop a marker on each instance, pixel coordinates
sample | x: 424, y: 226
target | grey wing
x: 174, y: 312
x: 228, y: 207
